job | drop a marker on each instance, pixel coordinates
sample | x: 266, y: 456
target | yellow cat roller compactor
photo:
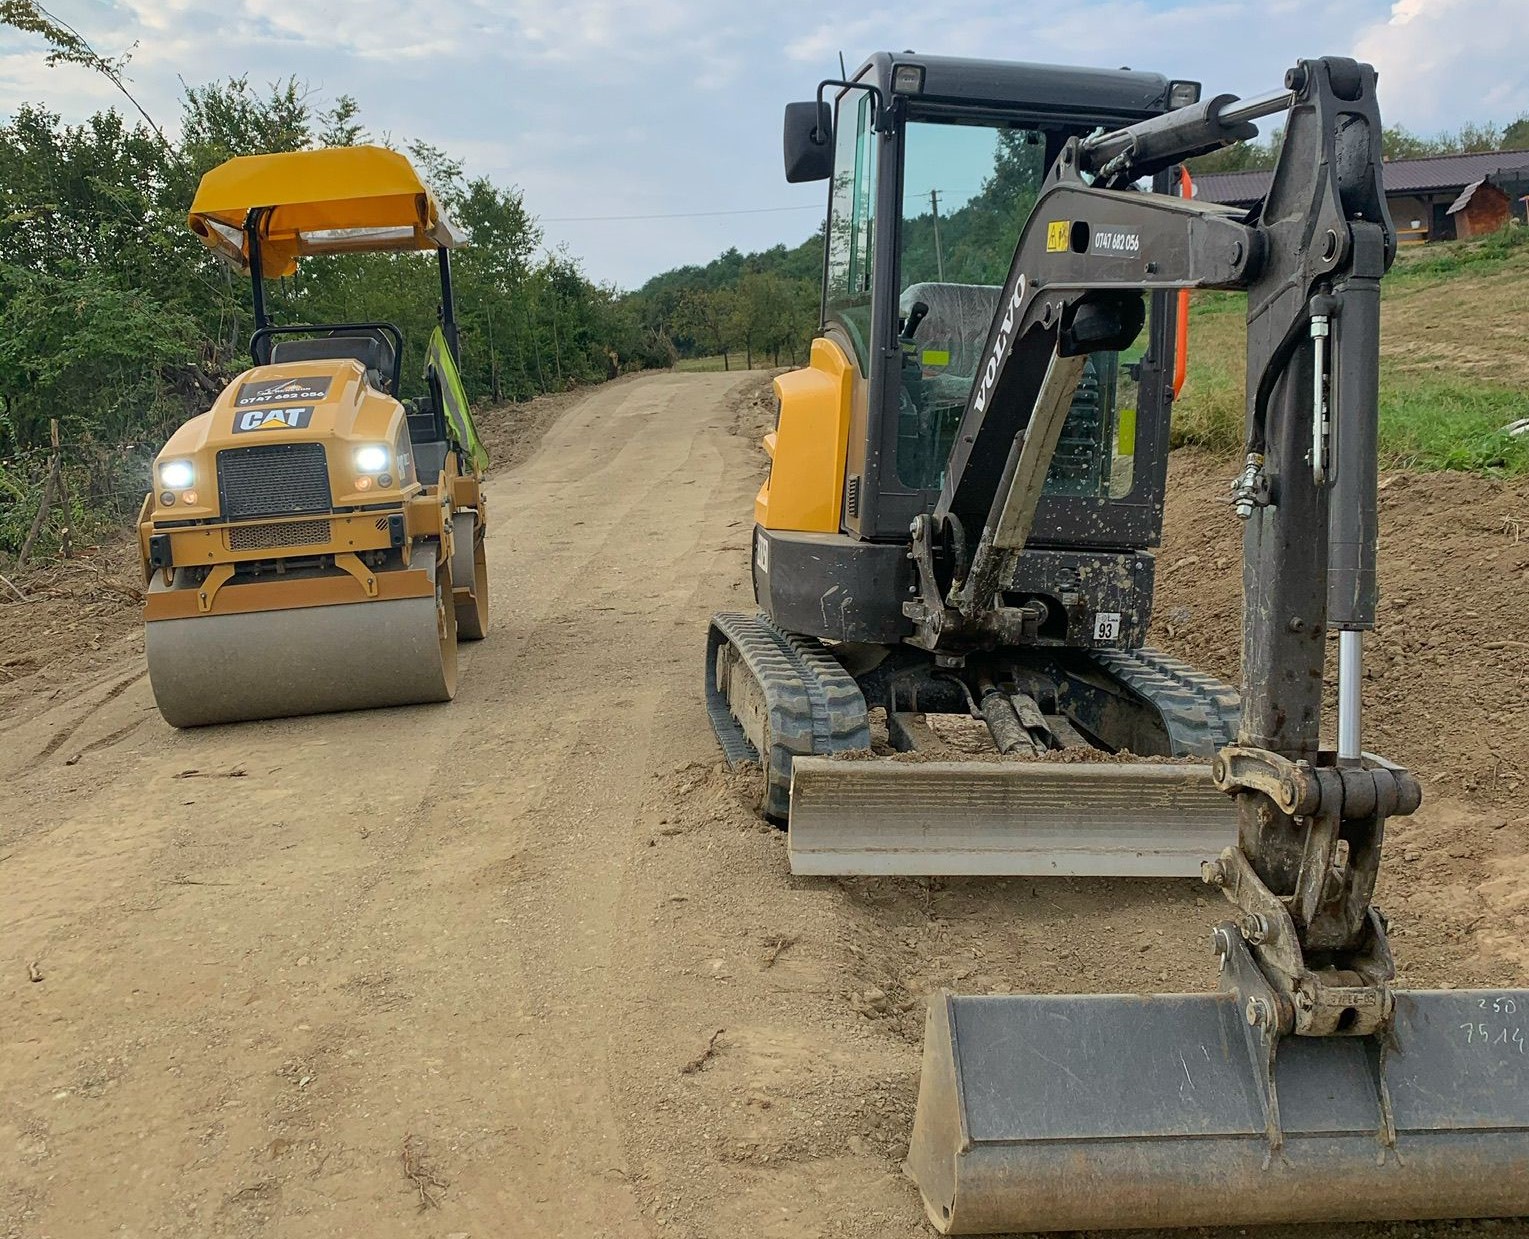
x: 965, y: 485
x: 312, y: 542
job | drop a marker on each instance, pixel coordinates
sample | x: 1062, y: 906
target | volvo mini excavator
x: 1309, y: 1088
x: 875, y: 587
x: 312, y: 541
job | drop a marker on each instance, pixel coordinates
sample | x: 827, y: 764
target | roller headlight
x: 373, y: 458
x: 176, y: 474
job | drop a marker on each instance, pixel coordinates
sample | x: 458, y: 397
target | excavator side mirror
x: 809, y: 147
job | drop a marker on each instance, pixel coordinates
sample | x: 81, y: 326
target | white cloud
x: 1442, y: 62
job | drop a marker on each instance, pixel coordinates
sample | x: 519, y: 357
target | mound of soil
x: 1447, y: 669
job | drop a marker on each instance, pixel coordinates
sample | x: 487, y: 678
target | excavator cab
x: 936, y: 166
x: 974, y: 546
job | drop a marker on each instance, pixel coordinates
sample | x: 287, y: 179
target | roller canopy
x: 350, y: 199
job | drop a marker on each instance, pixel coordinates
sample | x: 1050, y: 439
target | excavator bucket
x: 1107, y: 1111
x: 1019, y: 818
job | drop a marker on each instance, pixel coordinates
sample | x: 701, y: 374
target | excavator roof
x: 1066, y: 91
x: 343, y: 199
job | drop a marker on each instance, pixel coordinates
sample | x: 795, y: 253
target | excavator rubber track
x: 805, y: 703
x: 1199, y: 712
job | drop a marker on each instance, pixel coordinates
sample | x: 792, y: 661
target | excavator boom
x: 1308, y: 1089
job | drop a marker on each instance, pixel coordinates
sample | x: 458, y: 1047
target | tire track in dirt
x: 61, y: 737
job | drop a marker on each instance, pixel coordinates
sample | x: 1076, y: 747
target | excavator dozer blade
x: 1105, y: 1111
x: 1091, y: 819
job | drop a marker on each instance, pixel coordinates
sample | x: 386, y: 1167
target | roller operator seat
x: 373, y: 352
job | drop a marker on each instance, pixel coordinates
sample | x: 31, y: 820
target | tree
x: 224, y: 119
x: 339, y: 124
x: 116, y: 320
x: 767, y: 314
x: 709, y: 316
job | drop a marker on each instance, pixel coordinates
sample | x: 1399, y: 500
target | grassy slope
x: 1454, y: 357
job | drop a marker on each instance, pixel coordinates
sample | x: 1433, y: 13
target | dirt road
x: 525, y: 965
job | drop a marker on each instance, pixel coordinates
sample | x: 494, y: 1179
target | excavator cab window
x: 968, y: 189
x: 850, y: 223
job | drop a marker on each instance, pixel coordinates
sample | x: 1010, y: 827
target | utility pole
x: 939, y: 257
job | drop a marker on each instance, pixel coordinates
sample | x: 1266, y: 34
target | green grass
x: 1451, y: 424
x: 1439, y: 304
x: 1451, y: 258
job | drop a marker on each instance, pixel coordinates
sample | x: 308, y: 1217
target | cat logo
x: 273, y: 419
x: 279, y: 391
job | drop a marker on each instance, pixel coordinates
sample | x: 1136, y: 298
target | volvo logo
x: 1000, y: 347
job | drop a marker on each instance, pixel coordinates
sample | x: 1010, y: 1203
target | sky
x: 672, y: 108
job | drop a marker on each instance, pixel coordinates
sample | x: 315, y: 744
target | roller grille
x: 273, y: 479
x: 269, y: 537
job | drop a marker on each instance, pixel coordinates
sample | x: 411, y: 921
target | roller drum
x: 305, y: 660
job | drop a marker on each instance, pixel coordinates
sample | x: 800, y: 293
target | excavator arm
x: 1308, y: 1089
x: 1311, y: 266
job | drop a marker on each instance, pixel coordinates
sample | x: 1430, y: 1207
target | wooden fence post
x: 65, y: 536
x: 42, y: 513
x: 54, y: 485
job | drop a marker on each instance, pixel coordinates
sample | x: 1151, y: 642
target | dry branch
x: 778, y: 945
x: 704, y: 1057
x: 430, y: 1186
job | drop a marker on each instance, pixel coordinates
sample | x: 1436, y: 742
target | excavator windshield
x: 967, y: 191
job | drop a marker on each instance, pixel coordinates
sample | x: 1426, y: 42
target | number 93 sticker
x: 1107, y: 626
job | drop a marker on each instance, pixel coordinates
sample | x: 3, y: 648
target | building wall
x: 1487, y: 211
x: 1411, y: 215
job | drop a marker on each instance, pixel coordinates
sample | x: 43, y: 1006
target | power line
x: 593, y: 219
x: 605, y: 219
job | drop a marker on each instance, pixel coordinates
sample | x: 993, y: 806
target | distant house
x: 1437, y: 199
